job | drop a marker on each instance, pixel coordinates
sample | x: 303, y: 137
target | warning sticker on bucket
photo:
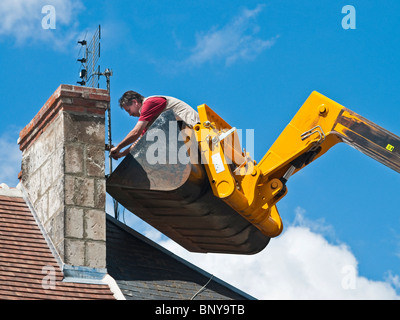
x: 217, y: 162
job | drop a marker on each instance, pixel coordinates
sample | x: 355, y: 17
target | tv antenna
x: 90, y: 70
x: 90, y: 75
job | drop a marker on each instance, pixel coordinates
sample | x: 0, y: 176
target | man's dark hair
x: 128, y: 97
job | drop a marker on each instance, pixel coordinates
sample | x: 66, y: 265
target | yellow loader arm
x: 254, y: 189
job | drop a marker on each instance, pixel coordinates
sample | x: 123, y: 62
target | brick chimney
x: 63, y: 172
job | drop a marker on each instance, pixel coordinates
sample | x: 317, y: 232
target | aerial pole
x: 90, y: 75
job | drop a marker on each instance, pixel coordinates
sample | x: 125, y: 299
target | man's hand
x: 115, y: 154
x: 131, y: 137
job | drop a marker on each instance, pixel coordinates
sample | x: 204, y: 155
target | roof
x: 28, y: 269
x: 144, y: 270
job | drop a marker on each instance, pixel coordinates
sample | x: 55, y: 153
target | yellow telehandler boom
x: 219, y: 199
x: 253, y: 189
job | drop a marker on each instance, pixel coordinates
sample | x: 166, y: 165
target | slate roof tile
x: 144, y: 270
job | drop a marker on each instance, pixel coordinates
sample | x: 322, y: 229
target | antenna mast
x: 90, y: 75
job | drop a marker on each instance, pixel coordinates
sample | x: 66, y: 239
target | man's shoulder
x: 156, y: 97
x: 154, y: 101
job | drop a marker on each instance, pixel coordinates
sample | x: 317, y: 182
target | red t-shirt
x: 151, y: 108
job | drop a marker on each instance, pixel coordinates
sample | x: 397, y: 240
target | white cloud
x: 300, y: 264
x: 10, y: 159
x: 394, y: 280
x: 22, y: 20
x: 234, y: 41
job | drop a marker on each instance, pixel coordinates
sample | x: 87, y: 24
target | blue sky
x: 255, y: 63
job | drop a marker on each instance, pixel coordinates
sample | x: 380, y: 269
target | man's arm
x: 131, y: 137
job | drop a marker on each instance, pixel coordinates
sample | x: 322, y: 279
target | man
x: 148, y: 109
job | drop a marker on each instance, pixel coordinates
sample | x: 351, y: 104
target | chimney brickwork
x: 63, y: 172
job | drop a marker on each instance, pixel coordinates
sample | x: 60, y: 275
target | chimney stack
x: 63, y: 172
